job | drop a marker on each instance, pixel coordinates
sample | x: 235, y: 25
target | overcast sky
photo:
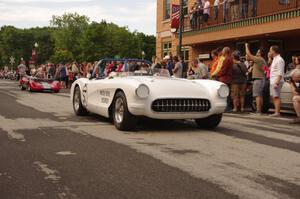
x: 136, y: 14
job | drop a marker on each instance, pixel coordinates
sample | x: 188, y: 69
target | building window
x: 167, y: 47
x: 167, y: 9
x: 185, y: 53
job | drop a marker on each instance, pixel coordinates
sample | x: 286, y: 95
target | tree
x: 43, y: 36
x: 72, y: 37
x: 147, y: 43
x: 63, y: 56
x: 19, y: 43
x: 68, y: 31
x: 93, y: 42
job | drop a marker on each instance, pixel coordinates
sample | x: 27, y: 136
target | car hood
x: 174, y: 87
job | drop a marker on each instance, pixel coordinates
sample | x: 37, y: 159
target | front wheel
x: 123, y: 119
x: 210, y: 122
x: 77, y: 104
x: 23, y: 87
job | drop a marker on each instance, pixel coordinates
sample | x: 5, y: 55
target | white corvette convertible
x: 126, y: 96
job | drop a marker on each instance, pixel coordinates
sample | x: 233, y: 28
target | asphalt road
x: 48, y: 152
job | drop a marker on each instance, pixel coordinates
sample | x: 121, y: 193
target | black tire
x: 23, y: 87
x: 78, y: 108
x: 210, y: 122
x: 123, y: 119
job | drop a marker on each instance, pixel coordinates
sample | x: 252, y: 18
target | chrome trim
x: 188, y: 105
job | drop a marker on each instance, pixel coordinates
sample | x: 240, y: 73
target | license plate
x: 46, y: 85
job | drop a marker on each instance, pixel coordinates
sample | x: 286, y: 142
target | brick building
x: 276, y: 22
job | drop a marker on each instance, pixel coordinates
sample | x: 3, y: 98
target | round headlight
x: 142, y: 91
x: 223, y: 91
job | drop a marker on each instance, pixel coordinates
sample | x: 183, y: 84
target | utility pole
x: 181, y: 22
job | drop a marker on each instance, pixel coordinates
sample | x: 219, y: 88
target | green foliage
x: 72, y: 37
x: 69, y: 30
x: 63, y: 56
x: 20, y: 42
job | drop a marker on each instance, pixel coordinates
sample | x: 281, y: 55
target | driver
x: 295, y: 78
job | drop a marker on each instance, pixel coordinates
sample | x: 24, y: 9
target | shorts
x: 258, y: 88
x: 275, y: 92
x: 238, y: 90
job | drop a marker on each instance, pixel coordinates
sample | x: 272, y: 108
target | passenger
x: 133, y: 66
x: 143, y: 67
x: 110, y: 68
x: 120, y: 67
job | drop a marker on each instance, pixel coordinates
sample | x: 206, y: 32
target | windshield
x: 109, y: 68
x: 144, y: 72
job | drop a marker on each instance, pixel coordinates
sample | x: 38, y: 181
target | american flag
x: 175, y: 16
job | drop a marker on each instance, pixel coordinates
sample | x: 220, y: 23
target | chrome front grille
x: 181, y: 105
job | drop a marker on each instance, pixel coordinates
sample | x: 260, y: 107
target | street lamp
x: 34, y: 52
x: 143, y: 54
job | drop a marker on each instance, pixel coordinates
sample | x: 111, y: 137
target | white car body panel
x: 286, y: 96
x: 97, y: 95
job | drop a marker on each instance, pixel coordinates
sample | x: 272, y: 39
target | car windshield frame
x: 101, y: 73
x: 157, y: 72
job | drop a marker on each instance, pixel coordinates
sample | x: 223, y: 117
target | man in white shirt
x: 276, y: 78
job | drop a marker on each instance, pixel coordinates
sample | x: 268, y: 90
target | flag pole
x: 179, y: 50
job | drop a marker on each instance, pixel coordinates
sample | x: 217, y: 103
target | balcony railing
x: 230, y: 16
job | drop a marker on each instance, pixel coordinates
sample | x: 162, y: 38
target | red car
x: 39, y: 85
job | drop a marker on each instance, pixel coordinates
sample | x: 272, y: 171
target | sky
x: 138, y: 15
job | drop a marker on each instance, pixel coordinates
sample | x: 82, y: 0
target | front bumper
x: 143, y: 108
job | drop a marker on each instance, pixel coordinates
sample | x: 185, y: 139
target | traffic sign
x: 12, y: 60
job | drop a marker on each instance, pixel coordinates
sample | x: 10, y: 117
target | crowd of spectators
x: 233, y: 10
x: 241, y: 73
x: 64, y: 73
